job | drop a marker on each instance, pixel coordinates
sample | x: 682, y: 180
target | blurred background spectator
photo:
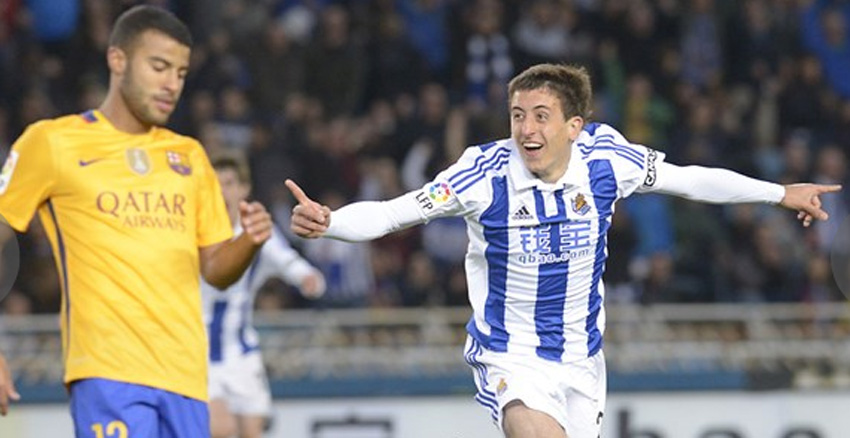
x: 365, y: 99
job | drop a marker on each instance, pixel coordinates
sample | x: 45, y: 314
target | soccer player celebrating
x: 538, y: 207
x: 240, y: 399
x: 133, y: 212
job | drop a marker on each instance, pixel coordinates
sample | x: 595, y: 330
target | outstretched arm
x: 725, y: 186
x: 356, y: 222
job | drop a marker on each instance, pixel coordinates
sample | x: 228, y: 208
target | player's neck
x: 119, y: 115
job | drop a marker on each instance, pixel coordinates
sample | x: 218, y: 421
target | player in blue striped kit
x: 240, y: 401
x: 538, y: 207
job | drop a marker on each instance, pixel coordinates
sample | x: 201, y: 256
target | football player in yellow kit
x: 133, y: 212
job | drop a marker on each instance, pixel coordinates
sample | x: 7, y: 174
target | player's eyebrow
x: 536, y: 107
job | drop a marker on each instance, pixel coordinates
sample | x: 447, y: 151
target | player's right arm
x: 26, y: 182
x: 356, y: 222
x: 7, y: 386
x: 368, y: 220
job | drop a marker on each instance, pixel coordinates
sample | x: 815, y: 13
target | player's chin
x: 158, y: 117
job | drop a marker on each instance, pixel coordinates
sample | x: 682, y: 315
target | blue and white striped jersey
x: 228, y: 314
x: 537, y: 250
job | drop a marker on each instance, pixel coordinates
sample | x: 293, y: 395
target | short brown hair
x: 140, y: 19
x: 570, y: 84
x: 234, y: 162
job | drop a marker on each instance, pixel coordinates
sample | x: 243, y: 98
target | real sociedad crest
x: 179, y: 163
x: 580, y: 205
x: 138, y: 161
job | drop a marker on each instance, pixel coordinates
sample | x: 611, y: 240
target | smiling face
x: 542, y: 133
x: 151, y: 76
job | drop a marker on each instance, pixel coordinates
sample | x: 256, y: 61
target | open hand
x: 309, y: 218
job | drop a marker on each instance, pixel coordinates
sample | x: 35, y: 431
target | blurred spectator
x: 824, y: 31
x: 335, y: 65
x: 277, y: 68
x: 367, y: 99
x: 426, y: 24
x: 701, y: 51
x: 487, y: 50
x: 347, y: 267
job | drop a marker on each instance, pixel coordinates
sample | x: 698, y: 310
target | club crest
x: 580, y: 205
x: 179, y: 163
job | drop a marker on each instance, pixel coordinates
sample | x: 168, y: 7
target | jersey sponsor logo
x: 650, y: 168
x: 8, y: 169
x: 144, y: 209
x: 138, y: 160
x: 580, y: 204
x: 574, y: 240
x: 439, y: 192
x: 179, y: 163
x: 522, y: 214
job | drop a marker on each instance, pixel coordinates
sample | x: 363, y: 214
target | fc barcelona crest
x: 138, y: 161
x: 580, y: 205
x: 179, y: 163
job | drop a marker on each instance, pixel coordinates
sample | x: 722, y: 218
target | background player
x: 240, y: 399
x: 133, y: 213
x: 538, y: 207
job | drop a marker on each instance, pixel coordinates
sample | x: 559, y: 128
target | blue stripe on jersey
x: 244, y: 312
x: 484, y: 397
x: 591, y: 128
x: 486, y: 146
x: 495, y: 223
x: 603, y: 185
x: 503, y: 159
x: 628, y: 148
x: 63, y: 258
x: 617, y: 152
x: 215, y: 330
x: 466, y: 178
x: 607, y: 145
x: 551, y: 281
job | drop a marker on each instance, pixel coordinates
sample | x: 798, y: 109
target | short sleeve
x: 28, y: 177
x: 213, y: 222
x: 635, y: 166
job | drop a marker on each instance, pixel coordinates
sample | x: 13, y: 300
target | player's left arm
x: 223, y: 263
x: 722, y: 186
x: 279, y: 259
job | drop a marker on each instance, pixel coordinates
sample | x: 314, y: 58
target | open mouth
x: 531, y: 146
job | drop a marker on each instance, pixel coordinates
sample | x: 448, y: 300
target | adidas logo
x: 522, y: 214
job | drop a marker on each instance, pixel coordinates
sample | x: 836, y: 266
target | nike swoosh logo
x: 84, y: 163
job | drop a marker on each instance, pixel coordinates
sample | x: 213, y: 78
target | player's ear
x: 116, y: 59
x: 575, y: 124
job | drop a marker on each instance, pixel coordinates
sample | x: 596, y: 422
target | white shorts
x: 242, y: 383
x: 572, y: 393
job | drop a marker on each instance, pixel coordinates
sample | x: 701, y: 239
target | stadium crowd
x: 367, y: 99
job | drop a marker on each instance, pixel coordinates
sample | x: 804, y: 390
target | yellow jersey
x: 125, y: 215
